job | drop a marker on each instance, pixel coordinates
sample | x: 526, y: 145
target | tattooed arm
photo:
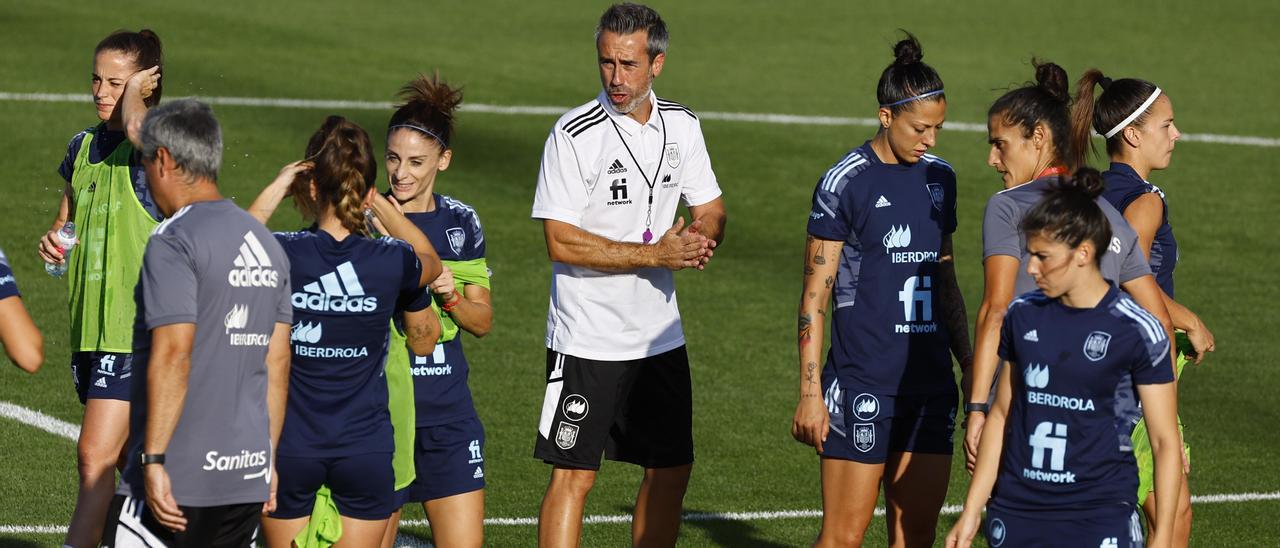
x: 820, y: 260
x: 954, y: 314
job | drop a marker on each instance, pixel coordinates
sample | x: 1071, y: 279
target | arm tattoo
x: 810, y: 370
x: 819, y: 258
x: 805, y: 327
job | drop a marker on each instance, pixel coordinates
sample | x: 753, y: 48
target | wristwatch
x: 153, y: 458
x: 978, y: 407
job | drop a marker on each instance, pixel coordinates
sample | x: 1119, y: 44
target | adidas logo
x: 479, y: 473
x: 101, y: 383
x: 882, y: 202
x: 1031, y: 336
x: 337, y: 291
x: 253, y: 266
x: 617, y: 167
x: 306, y: 332
x: 237, y: 318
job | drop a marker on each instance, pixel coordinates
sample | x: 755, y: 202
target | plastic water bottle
x: 66, y: 241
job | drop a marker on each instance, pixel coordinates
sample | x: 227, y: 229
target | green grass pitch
x: 1216, y: 60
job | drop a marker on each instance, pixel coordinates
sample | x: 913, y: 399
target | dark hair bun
x: 1104, y: 82
x: 1052, y: 79
x: 150, y: 35
x: 907, y: 51
x: 1087, y: 181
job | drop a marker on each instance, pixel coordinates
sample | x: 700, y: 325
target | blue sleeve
x: 833, y: 211
x: 68, y: 165
x: 414, y: 301
x: 475, y: 241
x: 8, y: 285
x: 1005, y: 350
x: 411, y: 269
x: 949, y: 204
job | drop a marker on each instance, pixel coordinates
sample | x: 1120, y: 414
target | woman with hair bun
x: 1055, y: 466
x: 107, y: 198
x: 882, y: 408
x: 346, y: 287
x: 448, y: 448
x: 1135, y: 117
x: 1030, y: 132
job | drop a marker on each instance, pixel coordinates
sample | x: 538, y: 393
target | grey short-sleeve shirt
x: 212, y: 265
x: 1123, y: 261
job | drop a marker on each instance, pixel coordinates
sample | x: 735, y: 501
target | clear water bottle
x: 66, y: 241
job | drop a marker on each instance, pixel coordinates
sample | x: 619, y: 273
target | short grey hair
x: 188, y: 130
x: 626, y: 18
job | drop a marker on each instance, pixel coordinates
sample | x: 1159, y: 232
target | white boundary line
x: 751, y: 117
x: 40, y: 420
x: 949, y: 510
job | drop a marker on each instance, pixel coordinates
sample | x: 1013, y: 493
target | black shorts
x: 131, y: 524
x: 636, y: 411
x: 101, y: 375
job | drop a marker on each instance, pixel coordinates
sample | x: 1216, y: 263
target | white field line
x: 40, y: 420
x: 949, y: 510
x: 760, y: 118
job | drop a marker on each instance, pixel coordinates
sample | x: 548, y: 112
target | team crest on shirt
x: 566, y: 435
x: 1095, y: 346
x: 456, y: 238
x: 936, y: 194
x: 864, y: 437
x: 673, y: 155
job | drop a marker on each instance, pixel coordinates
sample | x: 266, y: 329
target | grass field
x: 1216, y: 60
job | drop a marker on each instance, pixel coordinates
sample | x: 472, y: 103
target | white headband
x: 1134, y: 116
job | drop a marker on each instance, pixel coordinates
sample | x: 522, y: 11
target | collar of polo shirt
x: 628, y: 124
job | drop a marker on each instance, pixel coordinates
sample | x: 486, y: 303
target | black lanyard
x: 648, y: 216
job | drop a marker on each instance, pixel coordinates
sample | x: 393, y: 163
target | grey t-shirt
x: 1122, y: 262
x: 213, y: 265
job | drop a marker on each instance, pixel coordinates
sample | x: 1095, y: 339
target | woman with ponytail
x: 347, y: 286
x: 447, y: 458
x: 882, y: 408
x: 106, y: 197
x: 1136, y: 119
x: 1029, y: 129
x: 1055, y: 466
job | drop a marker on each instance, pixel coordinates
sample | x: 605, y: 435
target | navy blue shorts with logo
x: 101, y: 375
x: 636, y: 411
x: 448, y: 459
x: 363, y: 486
x: 1123, y: 530
x: 866, y: 427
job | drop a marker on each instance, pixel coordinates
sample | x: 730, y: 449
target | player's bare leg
x: 457, y: 521
x: 659, y: 505
x: 1182, y: 519
x: 393, y: 528
x: 915, y: 487
x: 560, y: 519
x: 99, y: 452
x: 849, y: 491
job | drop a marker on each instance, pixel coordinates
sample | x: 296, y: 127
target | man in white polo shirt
x: 613, y: 173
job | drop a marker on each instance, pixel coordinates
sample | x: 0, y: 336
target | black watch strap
x: 976, y: 407
x: 154, y: 458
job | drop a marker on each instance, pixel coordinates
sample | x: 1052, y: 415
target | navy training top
x: 1067, y: 448
x: 1123, y: 187
x: 441, y: 394
x: 886, y: 335
x: 344, y: 295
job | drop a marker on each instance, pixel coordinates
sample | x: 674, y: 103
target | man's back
x: 213, y: 265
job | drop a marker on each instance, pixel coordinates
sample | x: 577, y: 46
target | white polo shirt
x: 591, y: 177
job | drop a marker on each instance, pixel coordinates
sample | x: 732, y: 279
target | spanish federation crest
x: 456, y: 238
x: 1095, y: 346
x: 566, y: 435
x: 936, y: 194
x: 864, y: 437
x: 673, y: 155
